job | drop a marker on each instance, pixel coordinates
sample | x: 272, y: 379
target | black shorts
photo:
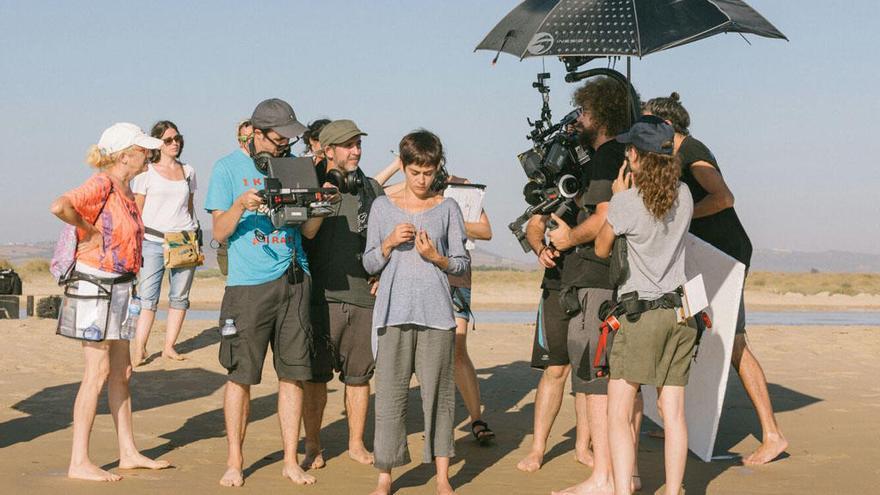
x: 550, y: 347
x: 343, y: 333
x: 274, y: 313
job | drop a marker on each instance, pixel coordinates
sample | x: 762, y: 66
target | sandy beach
x: 821, y: 382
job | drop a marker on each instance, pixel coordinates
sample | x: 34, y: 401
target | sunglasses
x: 175, y: 139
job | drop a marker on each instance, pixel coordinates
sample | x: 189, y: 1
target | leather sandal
x: 484, y: 434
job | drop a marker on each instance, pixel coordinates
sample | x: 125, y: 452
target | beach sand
x: 822, y: 381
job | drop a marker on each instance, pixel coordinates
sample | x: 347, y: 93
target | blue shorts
x: 150, y: 280
x: 461, y: 302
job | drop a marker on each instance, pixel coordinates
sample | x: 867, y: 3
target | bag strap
x: 99, y: 282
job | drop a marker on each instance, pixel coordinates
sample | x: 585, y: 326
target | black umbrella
x: 599, y: 28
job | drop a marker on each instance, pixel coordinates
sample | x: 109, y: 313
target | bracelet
x: 542, y: 250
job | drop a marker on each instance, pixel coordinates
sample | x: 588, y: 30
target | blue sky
x: 793, y: 124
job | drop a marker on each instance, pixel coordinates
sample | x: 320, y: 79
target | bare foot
x: 360, y: 454
x: 138, y: 461
x: 531, y: 462
x: 297, y: 475
x: 91, y: 472
x: 444, y: 488
x: 584, y: 457
x: 173, y: 355
x: 636, y: 485
x: 232, y: 477
x: 139, y: 357
x: 769, y: 450
x: 383, y: 487
x: 590, y: 486
x: 314, y: 459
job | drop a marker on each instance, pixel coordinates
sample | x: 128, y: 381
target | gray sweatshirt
x: 413, y: 290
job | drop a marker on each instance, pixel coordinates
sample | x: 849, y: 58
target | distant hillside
x: 769, y: 260
x: 777, y: 260
x: 19, y: 253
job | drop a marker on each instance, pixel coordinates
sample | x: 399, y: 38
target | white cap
x: 121, y: 135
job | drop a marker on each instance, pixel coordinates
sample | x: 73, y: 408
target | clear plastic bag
x: 88, y: 305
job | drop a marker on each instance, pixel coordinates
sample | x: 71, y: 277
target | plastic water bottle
x: 92, y: 332
x: 228, y: 328
x: 129, y: 326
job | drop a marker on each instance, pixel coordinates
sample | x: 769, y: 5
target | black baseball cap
x: 650, y: 133
x: 277, y: 114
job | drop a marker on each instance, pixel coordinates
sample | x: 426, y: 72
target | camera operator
x: 550, y: 351
x: 585, y: 278
x: 267, y: 292
x: 715, y: 221
x: 342, y: 298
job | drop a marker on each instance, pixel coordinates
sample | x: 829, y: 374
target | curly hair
x: 605, y: 99
x: 657, y: 180
x: 670, y: 108
x: 313, y: 131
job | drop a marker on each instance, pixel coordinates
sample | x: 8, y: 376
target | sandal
x: 484, y: 435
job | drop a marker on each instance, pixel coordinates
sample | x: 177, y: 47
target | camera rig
x: 292, y: 194
x: 554, y: 164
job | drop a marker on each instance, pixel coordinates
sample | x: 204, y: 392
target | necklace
x: 412, y: 212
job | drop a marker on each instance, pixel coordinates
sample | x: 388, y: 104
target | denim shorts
x: 151, y: 275
x: 461, y: 302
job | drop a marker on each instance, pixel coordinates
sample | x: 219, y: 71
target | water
x: 777, y: 318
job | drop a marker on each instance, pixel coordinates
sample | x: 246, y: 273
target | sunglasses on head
x: 174, y: 139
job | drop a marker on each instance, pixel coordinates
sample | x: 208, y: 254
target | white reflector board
x: 723, y: 277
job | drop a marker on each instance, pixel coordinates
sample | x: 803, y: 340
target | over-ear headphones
x: 346, y: 182
x: 440, y: 179
x: 261, y: 159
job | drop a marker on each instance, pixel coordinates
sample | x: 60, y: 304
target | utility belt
x: 630, y: 306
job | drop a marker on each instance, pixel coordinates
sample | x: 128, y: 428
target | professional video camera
x: 555, y: 162
x: 291, y: 192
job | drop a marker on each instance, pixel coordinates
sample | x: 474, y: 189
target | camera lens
x: 568, y: 186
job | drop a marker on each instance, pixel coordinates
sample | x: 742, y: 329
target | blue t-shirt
x: 251, y: 261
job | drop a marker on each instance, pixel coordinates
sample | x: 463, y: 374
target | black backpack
x: 10, y: 283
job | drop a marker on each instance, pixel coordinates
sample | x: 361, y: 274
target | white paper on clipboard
x: 470, y: 199
x: 695, y: 298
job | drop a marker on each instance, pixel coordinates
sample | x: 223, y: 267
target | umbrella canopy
x: 599, y: 28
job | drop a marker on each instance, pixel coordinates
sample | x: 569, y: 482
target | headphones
x: 346, y: 182
x: 440, y: 179
x: 261, y: 159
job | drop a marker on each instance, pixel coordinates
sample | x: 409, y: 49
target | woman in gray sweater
x: 415, y: 238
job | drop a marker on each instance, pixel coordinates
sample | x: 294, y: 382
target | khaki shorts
x: 347, y: 330
x: 656, y: 350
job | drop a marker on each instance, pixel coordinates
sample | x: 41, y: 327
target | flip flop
x: 483, y: 436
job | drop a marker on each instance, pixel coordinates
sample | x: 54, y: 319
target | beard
x: 588, y: 136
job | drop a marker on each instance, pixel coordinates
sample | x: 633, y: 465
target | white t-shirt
x: 166, y: 202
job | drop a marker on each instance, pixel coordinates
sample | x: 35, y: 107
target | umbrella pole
x: 629, y: 102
